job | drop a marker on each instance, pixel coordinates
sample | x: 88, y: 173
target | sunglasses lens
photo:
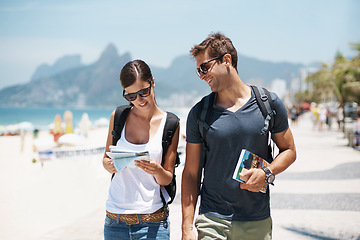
x: 130, y: 97
x: 203, y: 69
x: 145, y: 92
x: 142, y: 93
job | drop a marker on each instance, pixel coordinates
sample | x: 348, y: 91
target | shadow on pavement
x: 331, y: 201
x: 309, y: 233
x: 343, y: 171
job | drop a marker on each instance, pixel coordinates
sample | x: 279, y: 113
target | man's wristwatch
x: 270, y: 177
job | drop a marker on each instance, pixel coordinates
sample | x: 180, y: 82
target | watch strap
x: 268, y: 173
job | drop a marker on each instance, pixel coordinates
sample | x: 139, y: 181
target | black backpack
x: 263, y: 99
x: 171, y: 124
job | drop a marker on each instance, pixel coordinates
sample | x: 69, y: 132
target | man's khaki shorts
x: 209, y: 227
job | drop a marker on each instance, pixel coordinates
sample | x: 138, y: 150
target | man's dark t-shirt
x: 229, y: 133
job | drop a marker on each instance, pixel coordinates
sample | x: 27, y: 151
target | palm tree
x: 353, y: 75
x: 342, y: 79
x: 321, y: 83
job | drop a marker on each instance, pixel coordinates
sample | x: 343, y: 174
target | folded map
x: 124, y: 158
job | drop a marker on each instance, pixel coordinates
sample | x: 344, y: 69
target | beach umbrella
x: 57, y: 131
x: 43, y: 143
x: 52, y: 125
x: 68, y: 119
x: 84, y: 125
x: 305, y: 105
x: 102, y: 122
x: 71, y: 139
x: 26, y: 126
x: 12, y: 129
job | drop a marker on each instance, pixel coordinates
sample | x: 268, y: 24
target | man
x: 228, y: 209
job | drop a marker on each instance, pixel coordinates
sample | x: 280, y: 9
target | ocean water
x: 42, y: 117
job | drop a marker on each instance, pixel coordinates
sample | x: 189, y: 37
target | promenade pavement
x: 318, y: 197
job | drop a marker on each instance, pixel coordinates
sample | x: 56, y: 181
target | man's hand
x: 188, y: 234
x: 190, y: 190
x: 256, y: 180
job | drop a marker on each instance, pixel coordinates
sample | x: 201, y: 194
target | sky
x: 298, y: 31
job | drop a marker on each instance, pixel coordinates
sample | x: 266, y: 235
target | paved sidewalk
x: 318, y: 197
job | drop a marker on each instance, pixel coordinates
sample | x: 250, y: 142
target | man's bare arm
x: 189, y: 189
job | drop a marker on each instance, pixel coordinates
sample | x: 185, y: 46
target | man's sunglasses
x: 203, y: 68
x: 142, y: 93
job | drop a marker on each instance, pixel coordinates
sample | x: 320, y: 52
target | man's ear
x: 227, y: 60
x: 153, y: 81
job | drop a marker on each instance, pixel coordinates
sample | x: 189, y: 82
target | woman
x: 134, y: 209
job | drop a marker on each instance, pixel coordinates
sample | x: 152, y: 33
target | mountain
x: 259, y: 72
x: 98, y: 84
x: 95, y: 85
x: 180, y: 77
x: 62, y: 64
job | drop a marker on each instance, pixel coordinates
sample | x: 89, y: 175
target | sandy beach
x: 39, y: 198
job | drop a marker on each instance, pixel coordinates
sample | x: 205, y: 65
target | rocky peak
x: 110, y: 53
x: 62, y: 64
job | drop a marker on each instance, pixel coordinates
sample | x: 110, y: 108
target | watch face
x: 271, y: 178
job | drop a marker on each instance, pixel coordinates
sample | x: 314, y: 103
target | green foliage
x: 341, y: 79
x: 307, y: 96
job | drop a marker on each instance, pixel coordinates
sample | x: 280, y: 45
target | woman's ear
x: 153, y: 81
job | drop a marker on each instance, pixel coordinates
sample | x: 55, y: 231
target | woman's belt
x: 131, y: 219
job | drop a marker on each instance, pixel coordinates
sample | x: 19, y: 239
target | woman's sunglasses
x: 142, y: 93
x: 203, y: 68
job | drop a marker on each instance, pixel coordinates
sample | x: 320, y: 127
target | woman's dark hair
x: 133, y: 70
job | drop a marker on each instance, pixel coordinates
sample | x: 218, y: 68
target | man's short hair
x: 216, y: 44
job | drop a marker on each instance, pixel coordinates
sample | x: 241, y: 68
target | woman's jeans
x: 115, y: 229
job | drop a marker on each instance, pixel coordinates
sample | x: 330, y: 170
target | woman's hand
x: 161, y: 176
x: 151, y: 167
x: 109, y: 165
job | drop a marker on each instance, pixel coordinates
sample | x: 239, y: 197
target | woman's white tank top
x: 133, y: 190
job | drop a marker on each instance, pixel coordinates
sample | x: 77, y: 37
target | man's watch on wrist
x: 270, y: 177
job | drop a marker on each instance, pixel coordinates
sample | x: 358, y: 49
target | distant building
x: 298, y: 82
x: 279, y: 87
x: 304, y: 73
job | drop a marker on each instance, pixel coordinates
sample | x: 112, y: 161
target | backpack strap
x: 266, y: 106
x: 205, y: 114
x: 267, y: 109
x: 204, y: 117
x: 171, y: 124
x: 121, y: 114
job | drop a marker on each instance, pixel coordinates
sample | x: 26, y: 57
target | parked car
x: 350, y: 110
